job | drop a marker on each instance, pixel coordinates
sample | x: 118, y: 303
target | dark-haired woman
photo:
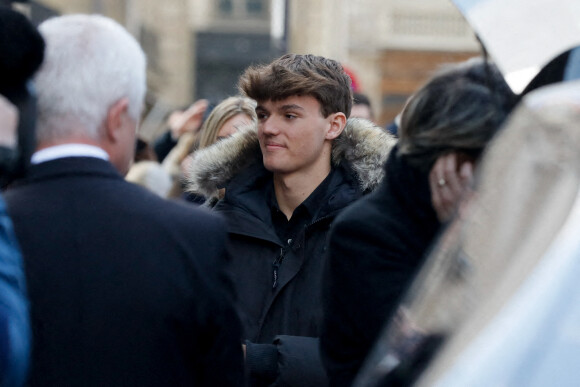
x: 378, y: 244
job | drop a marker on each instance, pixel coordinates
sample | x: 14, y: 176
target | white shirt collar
x: 68, y: 150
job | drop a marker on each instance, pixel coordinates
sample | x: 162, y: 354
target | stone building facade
x: 198, y: 48
x: 393, y: 46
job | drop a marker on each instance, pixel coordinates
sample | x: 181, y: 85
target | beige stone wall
x: 393, y: 45
x: 70, y: 6
x: 318, y: 27
x: 169, y: 21
x: 362, y: 34
x: 172, y: 80
x: 112, y: 8
x: 200, y: 13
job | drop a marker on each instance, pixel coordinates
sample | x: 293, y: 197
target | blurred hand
x: 189, y: 120
x: 449, y: 183
x: 8, y: 123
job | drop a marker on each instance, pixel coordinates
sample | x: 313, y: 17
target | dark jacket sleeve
x: 365, y: 278
x: 219, y: 331
x: 289, y: 361
x: 223, y: 365
x: 163, y: 145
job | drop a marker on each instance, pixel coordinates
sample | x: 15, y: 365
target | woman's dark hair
x: 458, y: 110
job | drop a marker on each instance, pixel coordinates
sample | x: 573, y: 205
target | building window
x: 243, y: 9
x: 255, y: 7
x: 225, y: 7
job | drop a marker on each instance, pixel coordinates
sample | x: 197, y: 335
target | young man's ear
x: 115, y: 117
x: 337, y: 124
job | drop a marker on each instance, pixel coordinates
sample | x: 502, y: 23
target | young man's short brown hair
x: 308, y: 75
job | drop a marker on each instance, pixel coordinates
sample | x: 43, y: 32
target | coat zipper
x: 276, y: 264
x: 278, y: 261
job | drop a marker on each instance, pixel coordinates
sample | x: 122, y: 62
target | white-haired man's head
x: 91, y: 63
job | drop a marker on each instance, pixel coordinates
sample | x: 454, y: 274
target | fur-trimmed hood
x: 362, y: 144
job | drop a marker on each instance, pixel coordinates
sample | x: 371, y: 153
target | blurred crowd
x: 279, y: 236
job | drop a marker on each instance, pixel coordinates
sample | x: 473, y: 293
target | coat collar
x: 70, y: 166
x: 248, y: 208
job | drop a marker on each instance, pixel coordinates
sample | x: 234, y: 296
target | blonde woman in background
x: 224, y: 120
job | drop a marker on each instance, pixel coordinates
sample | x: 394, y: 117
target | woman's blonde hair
x: 227, y: 109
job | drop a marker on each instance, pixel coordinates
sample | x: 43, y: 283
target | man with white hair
x: 125, y: 288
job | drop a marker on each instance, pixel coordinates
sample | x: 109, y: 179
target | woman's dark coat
x: 376, y: 247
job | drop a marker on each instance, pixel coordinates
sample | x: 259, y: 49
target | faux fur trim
x: 212, y: 167
x: 365, y: 147
x: 362, y: 144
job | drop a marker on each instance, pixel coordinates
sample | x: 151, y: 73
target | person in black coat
x: 282, y: 346
x: 285, y: 182
x: 378, y: 244
x: 125, y: 288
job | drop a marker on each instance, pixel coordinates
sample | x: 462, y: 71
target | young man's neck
x: 291, y: 190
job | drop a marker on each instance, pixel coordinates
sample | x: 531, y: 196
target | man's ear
x: 115, y: 117
x: 337, y: 124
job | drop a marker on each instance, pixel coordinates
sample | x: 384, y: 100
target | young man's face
x: 293, y: 135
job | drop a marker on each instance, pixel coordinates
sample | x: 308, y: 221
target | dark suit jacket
x: 124, y: 286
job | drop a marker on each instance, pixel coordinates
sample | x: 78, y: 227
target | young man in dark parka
x: 285, y: 183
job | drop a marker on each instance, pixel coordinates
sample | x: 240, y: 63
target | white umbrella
x: 522, y: 36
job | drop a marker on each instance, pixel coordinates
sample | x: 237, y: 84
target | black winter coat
x: 288, y: 315
x: 294, y: 306
x: 376, y: 247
